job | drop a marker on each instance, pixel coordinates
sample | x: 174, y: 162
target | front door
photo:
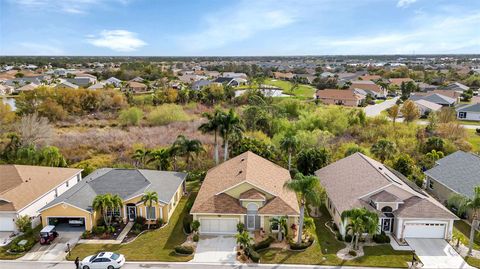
x: 387, y: 225
x: 251, y: 222
x: 132, y: 212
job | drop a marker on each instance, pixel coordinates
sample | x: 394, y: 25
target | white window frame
x: 462, y: 115
x: 154, y: 212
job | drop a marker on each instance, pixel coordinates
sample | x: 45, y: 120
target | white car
x: 103, y: 260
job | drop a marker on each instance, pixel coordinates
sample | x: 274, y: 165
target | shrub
x: 348, y: 238
x: 252, y: 254
x: 166, y: 114
x: 86, y: 235
x: 131, y: 116
x: 196, y: 238
x: 352, y: 253
x: 24, y: 223
x: 98, y: 230
x: 301, y: 246
x: 140, y: 220
x: 195, y: 225
x: 263, y: 244
x: 137, y: 226
x: 184, y: 250
x: 381, y: 238
x: 240, y: 227
x: 477, y: 131
x: 159, y: 222
x: 187, y: 227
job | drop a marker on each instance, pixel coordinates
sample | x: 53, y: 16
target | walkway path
x: 119, y: 239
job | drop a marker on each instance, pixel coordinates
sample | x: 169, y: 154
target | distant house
x: 4, y: 89
x: 370, y: 77
x: 114, y: 81
x: 435, y: 98
x: 227, y: 81
x: 456, y: 86
x: 368, y: 85
x: 212, y: 74
x: 189, y: 78
x: 137, y: 79
x: 306, y: 78
x: 66, y: 85
x: 235, y: 75
x: 327, y: 75
x: 198, y: 85
x: 469, y: 112
x: 136, y: 86
x: 427, y: 107
x: 284, y: 76
x: 399, y: 81
x: 452, y: 94
x: 458, y: 173
x: 339, y: 97
x: 26, y: 88
x: 97, y: 86
x: 424, y: 87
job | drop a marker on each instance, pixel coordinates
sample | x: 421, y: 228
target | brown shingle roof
x: 337, y: 94
x: 398, y: 81
x: 22, y: 184
x: 415, y: 207
x: 252, y: 194
x: 246, y: 167
x: 384, y: 196
x: 365, y: 85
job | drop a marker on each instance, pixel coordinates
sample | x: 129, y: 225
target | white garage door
x: 6, y: 224
x: 424, y: 230
x: 218, y: 226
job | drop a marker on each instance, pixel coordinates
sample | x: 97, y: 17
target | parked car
x: 103, y: 260
x: 48, y: 234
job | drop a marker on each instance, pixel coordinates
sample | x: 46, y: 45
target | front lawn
x: 4, y: 255
x: 474, y: 139
x: 157, y: 245
x: 303, y: 91
x: 462, y: 230
x: 324, y: 250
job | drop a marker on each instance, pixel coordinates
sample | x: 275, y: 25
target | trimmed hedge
x: 186, y: 250
x: 301, y: 246
x: 196, y: 238
x: 263, y: 244
x: 381, y: 238
x: 252, y: 254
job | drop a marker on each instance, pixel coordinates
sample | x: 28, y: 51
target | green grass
x: 474, y: 139
x: 323, y: 252
x: 379, y: 101
x: 462, y: 230
x: 157, y: 245
x: 467, y: 122
x: 4, y: 255
x: 303, y: 91
x: 473, y: 261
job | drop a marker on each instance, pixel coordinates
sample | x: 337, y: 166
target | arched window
x: 387, y: 209
x: 252, y: 207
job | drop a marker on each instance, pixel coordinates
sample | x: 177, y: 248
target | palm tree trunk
x: 356, y: 240
x: 225, y: 153
x: 353, y: 238
x: 472, y: 235
x: 289, y: 161
x: 216, y: 148
x: 300, y: 223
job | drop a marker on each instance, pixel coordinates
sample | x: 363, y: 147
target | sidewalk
x: 117, y: 241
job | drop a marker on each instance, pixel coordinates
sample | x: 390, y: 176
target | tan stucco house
x: 129, y: 184
x: 246, y: 189
x: 25, y: 189
x: 404, y: 210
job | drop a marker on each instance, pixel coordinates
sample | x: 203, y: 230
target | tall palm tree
x: 360, y: 221
x: 213, y: 125
x: 384, y: 149
x: 161, y: 158
x: 230, y: 124
x: 140, y: 156
x: 187, y: 148
x: 289, y: 144
x: 463, y: 203
x: 105, y: 202
x: 148, y: 199
x: 306, y: 187
x: 244, y: 239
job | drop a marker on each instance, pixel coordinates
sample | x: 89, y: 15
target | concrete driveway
x: 216, y: 249
x: 437, y: 253
x: 56, y: 250
x: 375, y: 110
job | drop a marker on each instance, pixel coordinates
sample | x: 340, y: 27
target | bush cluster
x: 263, y: 244
x: 300, y: 246
x: 252, y: 254
x: 187, y: 250
x: 381, y: 238
x: 166, y: 114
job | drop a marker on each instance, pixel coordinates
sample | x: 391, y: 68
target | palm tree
x: 213, y: 125
x: 244, y: 239
x: 306, y: 187
x: 393, y: 113
x: 148, y: 199
x: 384, y: 149
x: 161, y: 157
x: 106, y: 202
x: 360, y: 221
x: 463, y: 204
x: 140, y: 156
x: 230, y: 124
x: 289, y: 144
x: 187, y: 148
x: 435, y: 155
x: 282, y: 223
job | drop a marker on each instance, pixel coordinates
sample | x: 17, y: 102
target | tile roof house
x: 427, y: 107
x: 368, y: 85
x: 66, y: 85
x: 114, y: 81
x: 346, y: 97
x: 245, y: 189
x: 199, y: 84
x: 136, y: 86
x: 435, y: 98
x: 399, y: 81
x: 404, y: 210
x: 458, y: 173
x: 468, y: 112
x: 227, y: 81
x: 129, y: 184
x: 25, y: 189
x: 456, y: 86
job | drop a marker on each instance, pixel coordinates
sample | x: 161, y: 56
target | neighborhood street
x: 141, y: 265
x: 375, y: 110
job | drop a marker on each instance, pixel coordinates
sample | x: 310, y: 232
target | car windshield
x: 115, y: 256
x: 93, y: 258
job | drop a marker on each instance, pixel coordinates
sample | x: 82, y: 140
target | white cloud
x: 239, y: 22
x: 117, y: 40
x: 64, y: 6
x: 405, y: 3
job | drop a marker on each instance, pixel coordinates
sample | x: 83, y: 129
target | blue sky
x: 242, y: 27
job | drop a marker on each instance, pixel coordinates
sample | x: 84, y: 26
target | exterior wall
x: 203, y: 216
x: 65, y: 210
x: 337, y: 219
x: 473, y: 116
x: 439, y: 191
x: 346, y: 102
x: 235, y: 192
x: 142, y: 209
x: 399, y: 226
x: 265, y: 223
x: 258, y: 203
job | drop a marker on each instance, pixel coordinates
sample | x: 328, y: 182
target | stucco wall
x: 439, y: 191
x: 399, y: 224
x: 65, y: 210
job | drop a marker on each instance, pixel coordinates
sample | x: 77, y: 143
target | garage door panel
x: 424, y: 230
x: 218, y: 226
x: 7, y: 224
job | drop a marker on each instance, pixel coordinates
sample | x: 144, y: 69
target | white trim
x: 45, y: 194
x: 128, y: 213
x: 146, y: 213
x: 375, y: 191
x: 200, y: 220
x: 218, y: 214
x: 63, y: 202
x: 245, y: 181
x: 253, y: 200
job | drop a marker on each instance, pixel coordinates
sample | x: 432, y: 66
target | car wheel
x: 110, y: 267
x: 85, y: 267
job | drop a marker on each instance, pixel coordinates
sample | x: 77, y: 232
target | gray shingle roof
x: 459, y: 171
x: 469, y: 108
x: 127, y: 183
x: 435, y: 98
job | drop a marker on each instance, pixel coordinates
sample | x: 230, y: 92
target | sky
x: 238, y: 27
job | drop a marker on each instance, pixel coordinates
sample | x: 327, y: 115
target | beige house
x: 404, y: 210
x: 246, y: 189
x: 339, y: 97
x: 25, y: 189
x: 129, y: 184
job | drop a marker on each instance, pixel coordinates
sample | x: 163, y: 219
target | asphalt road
x: 70, y: 265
